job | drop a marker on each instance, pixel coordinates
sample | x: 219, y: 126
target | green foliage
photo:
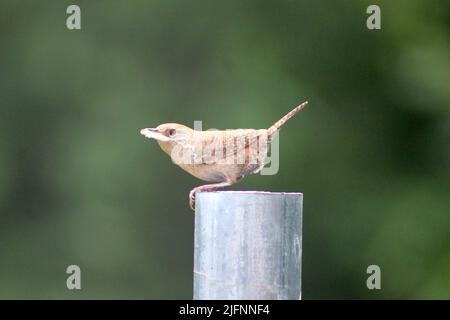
x: 79, y: 185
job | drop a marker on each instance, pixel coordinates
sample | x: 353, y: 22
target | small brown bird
x: 223, y: 157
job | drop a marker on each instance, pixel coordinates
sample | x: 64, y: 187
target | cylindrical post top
x: 248, y: 245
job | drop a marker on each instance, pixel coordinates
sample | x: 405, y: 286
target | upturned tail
x: 283, y: 120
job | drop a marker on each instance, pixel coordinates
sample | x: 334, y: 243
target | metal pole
x: 248, y: 245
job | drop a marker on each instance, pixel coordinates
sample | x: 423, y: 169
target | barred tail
x: 283, y: 120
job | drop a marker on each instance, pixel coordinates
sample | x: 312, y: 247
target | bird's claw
x: 192, y: 199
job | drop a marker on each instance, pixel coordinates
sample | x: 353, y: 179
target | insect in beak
x: 153, y: 133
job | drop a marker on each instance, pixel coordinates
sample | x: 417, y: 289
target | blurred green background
x: 79, y: 185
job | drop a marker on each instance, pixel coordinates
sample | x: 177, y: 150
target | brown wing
x: 239, y: 146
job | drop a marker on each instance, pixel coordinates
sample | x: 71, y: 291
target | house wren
x: 222, y: 157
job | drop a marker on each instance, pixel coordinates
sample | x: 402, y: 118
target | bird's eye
x: 172, y: 132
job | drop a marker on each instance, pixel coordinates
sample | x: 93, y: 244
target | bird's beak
x: 153, y: 133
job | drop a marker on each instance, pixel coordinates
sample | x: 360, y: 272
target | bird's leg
x: 206, y: 188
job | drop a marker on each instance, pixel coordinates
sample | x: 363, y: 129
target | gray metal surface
x: 248, y: 245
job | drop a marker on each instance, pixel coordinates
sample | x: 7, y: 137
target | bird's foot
x: 205, y: 188
x: 194, y: 191
x: 192, y: 199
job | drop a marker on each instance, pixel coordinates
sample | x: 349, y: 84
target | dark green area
x: 79, y: 185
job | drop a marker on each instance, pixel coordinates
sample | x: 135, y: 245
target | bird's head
x: 168, y: 135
